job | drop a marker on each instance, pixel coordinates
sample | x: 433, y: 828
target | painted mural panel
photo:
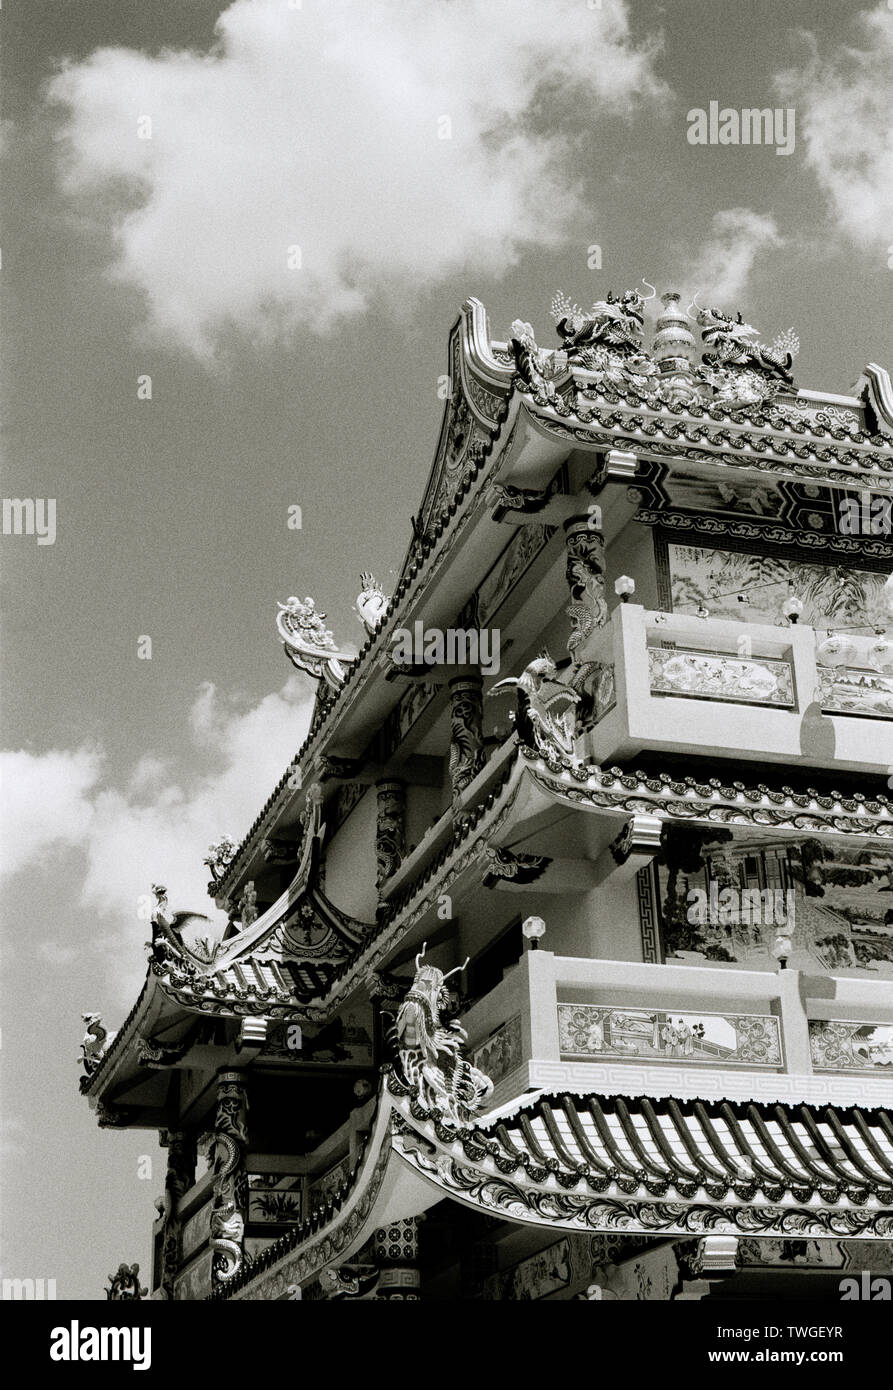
x: 517, y: 557
x: 836, y: 903
x: 501, y: 1054
x: 657, y: 1035
x: 848, y: 1046
x: 752, y: 589
x: 696, y: 674
x: 855, y: 690
x: 274, y: 1198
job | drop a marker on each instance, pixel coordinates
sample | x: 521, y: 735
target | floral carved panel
x: 658, y: 1035
x: 842, y: 1046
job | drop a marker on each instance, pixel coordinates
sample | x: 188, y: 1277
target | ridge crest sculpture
x: 372, y: 603
x: 608, y: 338
x: 309, y: 645
x: 740, y: 369
x: 430, y: 1051
x: 95, y: 1043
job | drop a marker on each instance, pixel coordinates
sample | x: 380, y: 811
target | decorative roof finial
x: 309, y: 644
x: 372, y: 603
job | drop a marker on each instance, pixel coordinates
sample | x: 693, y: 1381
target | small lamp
x: 880, y: 654
x: 624, y: 587
x: 532, y: 928
x: 792, y: 608
x: 781, y: 949
x: 837, y: 649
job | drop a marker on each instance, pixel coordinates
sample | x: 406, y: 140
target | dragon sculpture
x: 608, y: 338
x: 547, y: 706
x: 738, y: 368
x: 430, y: 1052
x: 537, y: 367
x: 95, y: 1044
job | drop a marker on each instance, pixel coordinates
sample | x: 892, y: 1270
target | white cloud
x: 44, y: 803
x: 153, y: 827
x: 843, y: 117
x: 722, y: 269
x: 318, y: 127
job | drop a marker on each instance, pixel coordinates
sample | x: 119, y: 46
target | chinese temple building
x: 559, y: 963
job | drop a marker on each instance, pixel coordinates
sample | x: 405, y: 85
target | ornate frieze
x: 467, y: 755
x: 839, y: 1046
x: 693, y: 674
x: 662, y: 1035
x: 390, y: 828
x: 230, y: 1189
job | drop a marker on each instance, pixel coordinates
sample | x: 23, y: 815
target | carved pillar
x: 585, y: 571
x: 466, y: 731
x: 396, y: 1251
x: 180, y: 1177
x: 588, y: 611
x: 230, y: 1186
x: 390, y: 828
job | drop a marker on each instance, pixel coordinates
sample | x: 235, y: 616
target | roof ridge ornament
x: 372, y: 603
x: 309, y: 645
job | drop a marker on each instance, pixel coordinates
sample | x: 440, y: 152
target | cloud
x: 722, y: 269
x: 391, y: 142
x: 843, y: 118
x: 154, y: 827
x: 45, y: 803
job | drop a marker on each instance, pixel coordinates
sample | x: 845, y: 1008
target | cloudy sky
x: 274, y: 210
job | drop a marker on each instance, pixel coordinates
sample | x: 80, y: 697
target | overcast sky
x: 282, y: 249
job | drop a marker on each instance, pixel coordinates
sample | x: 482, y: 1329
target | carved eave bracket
x: 503, y: 869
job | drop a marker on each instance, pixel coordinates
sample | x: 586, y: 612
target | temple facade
x: 559, y: 963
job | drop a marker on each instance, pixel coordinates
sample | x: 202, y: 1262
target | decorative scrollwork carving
x: 310, y: 645
x: 504, y: 866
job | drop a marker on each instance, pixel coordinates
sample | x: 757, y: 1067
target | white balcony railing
x: 739, y: 690
x: 552, y: 1010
